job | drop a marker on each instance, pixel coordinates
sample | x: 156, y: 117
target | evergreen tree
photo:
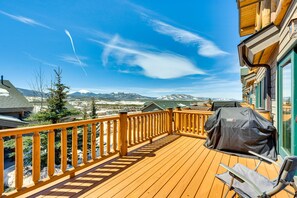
x: 93, y: 108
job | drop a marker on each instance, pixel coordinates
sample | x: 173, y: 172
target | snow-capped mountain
x: 181, y: 97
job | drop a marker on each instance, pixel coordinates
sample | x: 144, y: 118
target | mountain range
x: 123, y: 96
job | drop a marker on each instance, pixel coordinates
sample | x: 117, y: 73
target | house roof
x: 12, y: 100
x: 165, y: 104
x: 259, y: 47
x: 11, y: 122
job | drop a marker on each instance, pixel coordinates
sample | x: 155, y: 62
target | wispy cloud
x: 73, y: 48
x: 40, y: 60
x: 205, y: 47
x: 25, y: 20
x: 73, y: 60
x: 162, y: 65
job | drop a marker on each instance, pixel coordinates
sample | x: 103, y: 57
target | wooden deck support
x: 123, y: 133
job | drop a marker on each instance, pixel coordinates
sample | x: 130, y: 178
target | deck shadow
x: 86, y: 181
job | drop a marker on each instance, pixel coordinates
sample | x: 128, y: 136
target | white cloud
x: 40, y: 60
x: 74, y: 60
x: 205, y: 47
x: 25, y: 20
x: 162, y: 65
x: 70, y: 60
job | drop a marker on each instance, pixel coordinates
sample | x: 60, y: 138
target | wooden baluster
x: 1, y: 166
x: 130, y: 131
x: 134, y: 130
x: 123, y: 133
x: 169, y: 121
x: 93, y: 141
x: 85, y: 144
x: 51, y: 153
x: 19, y: 165
x: 138, y: 129
x: 114, y: 135
x: 101, y: 148
x: 182, y: 123
x: 36, y: 158
x: 150, y: 127
x: 198, y: 123
x: 195, y: 123
x: 63, y: 150
x: 144, y: 128
x: 74, y: 147
x: 202, y: 124
x: 108, y: 138
x: 163, y: 124
x: 158, y: 124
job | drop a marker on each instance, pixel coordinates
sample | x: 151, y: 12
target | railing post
x: 51, y: 153
x: 1, y: 166
x: 123, y: 133
x: 177, y: 119
x: 170, y: 116
x: 36, y: 158
x: 19, y: 164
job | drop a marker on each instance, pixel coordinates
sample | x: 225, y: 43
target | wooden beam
x: 281, y: 11
x: 266, y: 13
x: 259, y: 16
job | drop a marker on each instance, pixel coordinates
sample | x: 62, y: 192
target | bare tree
x: 39, y: 86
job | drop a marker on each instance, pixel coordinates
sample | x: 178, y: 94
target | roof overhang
x: 11, y: 122
x: 258, y: 47
x: 247, y: 16
x: 249, y: 79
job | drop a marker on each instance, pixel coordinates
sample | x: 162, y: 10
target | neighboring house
x: 13, y: 106
x: 270, y: 53
x: 159, y: 105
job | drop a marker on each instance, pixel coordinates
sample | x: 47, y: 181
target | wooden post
x: 170, y: 118
x: 93, y: 139
x: 63, y: 150
x: 19, y: 166
x: 123, y: 133
x: 74, y: 147
x: 108, y: 138
x: 101, y: 139
x: 266, y: 13
x: 259, y: 16
x: 51, y: 153
x: 1, y: 166
x: 85, y: 144
x: 36, y: 158
x: 114, y: 136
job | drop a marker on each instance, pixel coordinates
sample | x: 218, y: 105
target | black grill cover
x: 218, y: 104
x: 239, y: 130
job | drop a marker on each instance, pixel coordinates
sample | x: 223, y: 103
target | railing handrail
x: 32, y: 129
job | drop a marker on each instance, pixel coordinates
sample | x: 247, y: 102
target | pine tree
x: 93, y: 108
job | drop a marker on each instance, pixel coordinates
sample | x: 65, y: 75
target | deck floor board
x: 173, y: 166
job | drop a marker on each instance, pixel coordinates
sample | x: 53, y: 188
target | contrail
x: 73, y: 48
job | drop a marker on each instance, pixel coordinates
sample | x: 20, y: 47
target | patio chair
x: 249, y: 183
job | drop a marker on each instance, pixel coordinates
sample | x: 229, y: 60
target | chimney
x: 2, y: 80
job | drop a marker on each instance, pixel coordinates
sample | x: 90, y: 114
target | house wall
x: 285, y: 42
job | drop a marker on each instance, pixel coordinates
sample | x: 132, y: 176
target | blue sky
x: 148, y: 47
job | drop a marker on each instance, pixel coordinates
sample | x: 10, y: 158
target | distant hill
x: 110, y: 96
x: 28, y: 92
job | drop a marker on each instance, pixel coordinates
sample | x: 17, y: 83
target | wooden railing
x: 191, y: 122
x: 101, y: 138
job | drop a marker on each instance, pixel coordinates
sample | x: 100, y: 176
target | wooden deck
x: 173, y: 166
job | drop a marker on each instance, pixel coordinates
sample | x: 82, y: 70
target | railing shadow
x: 86, y: 181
